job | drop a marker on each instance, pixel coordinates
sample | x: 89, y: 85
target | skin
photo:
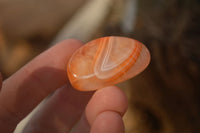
x: 65, y: 110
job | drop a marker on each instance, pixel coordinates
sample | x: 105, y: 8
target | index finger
x: 31, y: 84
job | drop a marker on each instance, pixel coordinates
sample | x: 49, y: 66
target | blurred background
x: 165, y: 98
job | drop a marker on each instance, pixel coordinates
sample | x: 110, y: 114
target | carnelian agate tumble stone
x: 106, y: 61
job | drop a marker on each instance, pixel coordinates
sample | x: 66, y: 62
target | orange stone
x: 106, y: 61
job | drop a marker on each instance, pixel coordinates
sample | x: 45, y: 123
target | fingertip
x: 108, y: 122
x: 73, y: 42
x: 115, y: 92
x: 109, y: 98
x: 115, y: 96
x: 63, y: 50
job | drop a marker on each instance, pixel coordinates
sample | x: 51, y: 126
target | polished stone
x: 107, y: 61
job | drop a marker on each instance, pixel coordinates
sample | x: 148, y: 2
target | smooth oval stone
x: 106, y: 61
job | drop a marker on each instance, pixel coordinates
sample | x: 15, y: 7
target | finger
x: 108, y: 99
x: 60, y: 112
x: 66, y: 106
x: 26, y: 88
x: 108, y: 122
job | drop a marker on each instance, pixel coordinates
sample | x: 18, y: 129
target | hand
x: 66, y: 110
